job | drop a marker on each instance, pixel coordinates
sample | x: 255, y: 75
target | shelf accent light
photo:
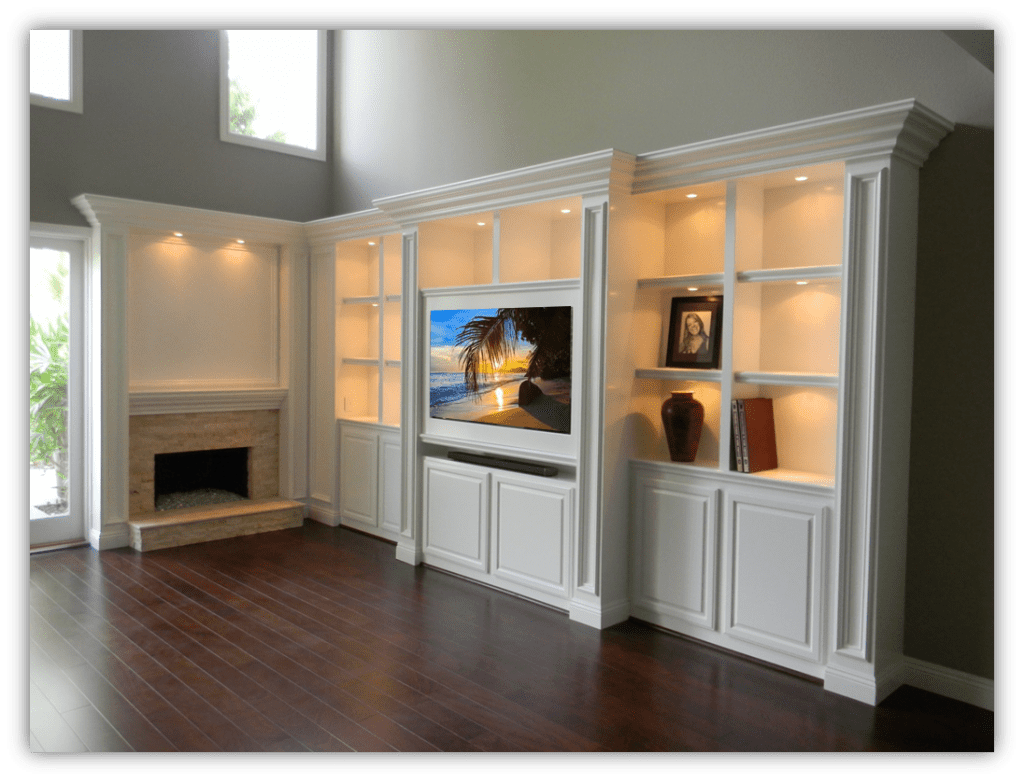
x: 801, y: 179
x: 179, y: 234
x: 692, y: 289
x: 691, y: 195
x: 801, y: 282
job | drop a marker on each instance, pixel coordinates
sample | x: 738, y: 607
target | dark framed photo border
x: 681, y: 307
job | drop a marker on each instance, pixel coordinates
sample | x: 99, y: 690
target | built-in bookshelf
x: 771, y: 247
x: 368, y: 283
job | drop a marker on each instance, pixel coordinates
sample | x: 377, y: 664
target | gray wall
x: 150, y: 131
x: 425, y: 108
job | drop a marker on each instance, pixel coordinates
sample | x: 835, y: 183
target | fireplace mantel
x: 213, y: 400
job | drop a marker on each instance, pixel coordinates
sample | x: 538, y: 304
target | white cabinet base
x: 502, y: 529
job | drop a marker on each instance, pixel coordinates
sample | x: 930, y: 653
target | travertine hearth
x: 255, y: 430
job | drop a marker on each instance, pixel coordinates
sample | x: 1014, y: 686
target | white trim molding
x: 147, y: 402
x: 965, y: 687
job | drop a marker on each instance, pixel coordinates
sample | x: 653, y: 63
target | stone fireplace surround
x: 149, y: 435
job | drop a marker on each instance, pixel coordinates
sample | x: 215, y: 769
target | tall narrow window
x: 56, y: 454
x: 273, y: 90
x: 55, y: 69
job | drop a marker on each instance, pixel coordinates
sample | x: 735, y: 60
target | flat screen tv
x: 503, y: 367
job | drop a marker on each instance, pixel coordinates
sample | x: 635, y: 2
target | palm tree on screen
x: 494, y: 339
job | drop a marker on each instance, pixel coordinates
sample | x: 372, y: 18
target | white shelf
x: 715, y: 280
x: 360, y: 361
x: 791, y: 274
x: 809, y: 480
x: 373, y: 300
x: 787, y: 379
x: 672, y: 373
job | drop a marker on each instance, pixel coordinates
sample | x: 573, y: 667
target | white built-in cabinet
x: 502, y: 528
x: 356, y: 364
x: 806, y: 235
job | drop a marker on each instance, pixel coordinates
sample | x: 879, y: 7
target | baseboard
x: 599, y: 616
x: 111, y: 536
x: 325, y: 516
x: 965, y: 687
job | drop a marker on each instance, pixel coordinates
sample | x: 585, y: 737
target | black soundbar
x: 501, y: 463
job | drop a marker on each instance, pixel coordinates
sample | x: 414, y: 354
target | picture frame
x: 695, y: 333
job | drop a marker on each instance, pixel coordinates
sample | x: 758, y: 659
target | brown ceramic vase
x: 683, y: 417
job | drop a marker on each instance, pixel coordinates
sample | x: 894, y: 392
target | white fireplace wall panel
x: 202, y: 315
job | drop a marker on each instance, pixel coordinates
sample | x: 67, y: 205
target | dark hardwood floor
x: 317, y: 639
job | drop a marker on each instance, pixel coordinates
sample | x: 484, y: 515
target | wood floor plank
x: 317, y: 639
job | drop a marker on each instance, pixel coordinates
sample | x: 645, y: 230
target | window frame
x: 75, y: 103
x: 320, y: 152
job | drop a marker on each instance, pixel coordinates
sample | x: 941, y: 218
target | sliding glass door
x: 55, y: 390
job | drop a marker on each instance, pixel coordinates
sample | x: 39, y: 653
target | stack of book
x: 753, y: 435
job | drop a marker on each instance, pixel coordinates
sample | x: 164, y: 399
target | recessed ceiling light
x: 481, y: 224
x: 372, y: 244
x: 240, y: 241
x: 801, y: 282
x: 178, y: 233
x: 801, y: 179
x: 566, y: 211
x: 691, y: 289
x: 691, y: 195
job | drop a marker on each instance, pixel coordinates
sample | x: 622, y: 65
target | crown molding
x: 107, y: 211
x: 585, y: 175
x: 357, y: 225
x: 903, y: 129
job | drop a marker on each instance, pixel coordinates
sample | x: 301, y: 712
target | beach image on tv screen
x: 505, y: 367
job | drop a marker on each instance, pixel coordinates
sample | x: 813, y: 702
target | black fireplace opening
x: 192, y: 478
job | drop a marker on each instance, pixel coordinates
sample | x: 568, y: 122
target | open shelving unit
x: 368, y: 283
x: 771, y: 248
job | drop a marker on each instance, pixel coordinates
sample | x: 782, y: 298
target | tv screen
x: 505, y: 367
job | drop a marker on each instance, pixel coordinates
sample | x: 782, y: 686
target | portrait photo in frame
x: 695, y: 333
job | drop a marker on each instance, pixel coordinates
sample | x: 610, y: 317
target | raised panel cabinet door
x: 773, y: 568
x: 391, y: 483
x: 530, y: 535
x: 456, y: 514
x: 359, y: 475
x: 675, y: 544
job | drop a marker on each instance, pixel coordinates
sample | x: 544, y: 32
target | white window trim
x: 76, y: 102
x: 320, y: 153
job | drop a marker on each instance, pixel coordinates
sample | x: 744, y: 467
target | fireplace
x: 191, y: 478
x: 169, y: 437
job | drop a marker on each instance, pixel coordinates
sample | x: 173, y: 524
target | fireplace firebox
x: 191, y: 478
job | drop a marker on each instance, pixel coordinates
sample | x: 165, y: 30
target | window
x: 273, y: 90
x: 55, y: 69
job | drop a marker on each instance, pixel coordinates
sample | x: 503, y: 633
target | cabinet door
x: 456, y: 506
x: 675, y: 543
x: 773, y: 572
x: 391, y: 483
x: 359, y: 475
x: 531, y: 523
